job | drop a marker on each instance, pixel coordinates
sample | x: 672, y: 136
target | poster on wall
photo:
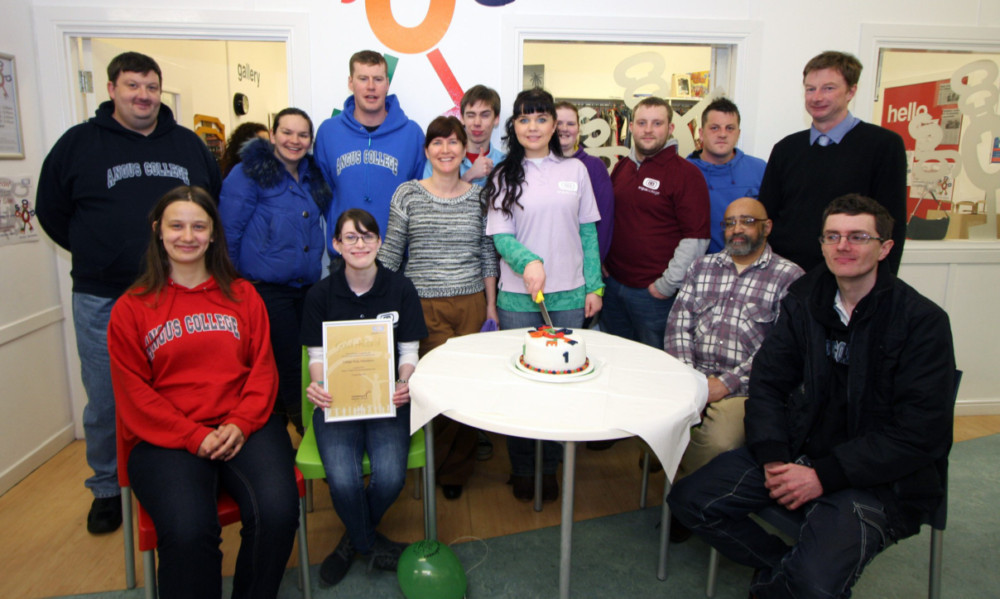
x: 11, y: 145
x: 17, y: 211
x: 927, y: 117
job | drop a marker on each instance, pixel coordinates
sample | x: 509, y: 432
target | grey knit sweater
x: 449, y: 251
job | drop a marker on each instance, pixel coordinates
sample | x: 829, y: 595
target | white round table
x: 636, y: 390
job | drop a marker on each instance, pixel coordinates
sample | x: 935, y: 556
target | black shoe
x: 484, y: 446
x: 335, y: 566
x: 654, y: 464
x: 524, y: 487
x: 451, y: 491
x: 550, y: 487
x: 601, y: 445
x: 385, y: 554
x: 678, y: 532
x: 105, y: 515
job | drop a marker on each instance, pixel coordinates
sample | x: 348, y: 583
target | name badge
x: 650, y: 183
x: 392, y: 317
x: 568, y: 186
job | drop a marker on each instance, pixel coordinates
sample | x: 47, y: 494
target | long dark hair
x: 242, y: 134
x: 154, y: 277
x: 507, y: 178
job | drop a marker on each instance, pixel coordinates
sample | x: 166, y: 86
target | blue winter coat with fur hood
x: 273, y: 223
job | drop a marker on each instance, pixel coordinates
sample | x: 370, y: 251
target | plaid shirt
x: 720, y: 316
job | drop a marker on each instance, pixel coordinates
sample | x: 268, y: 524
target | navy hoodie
x: 365, y: 168
x: 738, y: 178
x: 99, y: 184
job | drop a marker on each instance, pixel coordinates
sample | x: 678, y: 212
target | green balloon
x: 430, y: 570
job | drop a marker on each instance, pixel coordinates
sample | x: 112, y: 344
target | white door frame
x: 56, y: 26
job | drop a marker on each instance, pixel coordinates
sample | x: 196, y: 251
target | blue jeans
x: 521, y: 450
x: 91, y: 314
x: 633, y: 313
x: 342, y: 446
x: 841, y: 531
x: 285, y: 305
x: 179, y: 491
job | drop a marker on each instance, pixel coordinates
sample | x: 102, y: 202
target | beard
x: 744, y: 245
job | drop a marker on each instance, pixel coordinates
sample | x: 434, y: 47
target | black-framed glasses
x: 352, y: 238
x: 852, y: 238
x: 746, y: 221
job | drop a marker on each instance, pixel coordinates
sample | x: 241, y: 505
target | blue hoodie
x: 364, y: 169
x: 738, y: 178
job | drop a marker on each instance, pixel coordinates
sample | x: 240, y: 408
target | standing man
x: 371, y: 147
x: 661, y: 227
x: 95, y: 192
x: 729, y: 173
x: 838, y: 154
x: 848, y: 423
x: 481, y: 115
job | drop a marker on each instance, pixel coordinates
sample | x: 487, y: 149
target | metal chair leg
x: 149, y: 571
x: 645, y: 480
x: 304, y: 574
x: 937, y: 551
x: 713, y: 571
x: 538, y: 475
x: 127, y: 530
x: 661, y: 570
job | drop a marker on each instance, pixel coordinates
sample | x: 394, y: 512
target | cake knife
x: 540, y: 300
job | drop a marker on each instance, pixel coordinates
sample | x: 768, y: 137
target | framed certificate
x: 359, y: 368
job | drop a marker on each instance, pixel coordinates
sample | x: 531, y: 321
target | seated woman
x: 195, y: 383
x: 363, y: 289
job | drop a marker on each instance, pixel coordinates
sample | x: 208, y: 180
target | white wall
x: 324, y: 33
x: 37, y: 417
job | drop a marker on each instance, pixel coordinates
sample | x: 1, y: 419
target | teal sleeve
x: 515, y: 254
x: 591, y: 258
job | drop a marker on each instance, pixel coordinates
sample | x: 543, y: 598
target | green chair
x: 308, y: 460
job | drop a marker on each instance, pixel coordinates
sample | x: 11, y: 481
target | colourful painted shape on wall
x: 410, y: 40
x: 445, y: 75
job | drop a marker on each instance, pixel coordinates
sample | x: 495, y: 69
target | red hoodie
x: 189, y: 361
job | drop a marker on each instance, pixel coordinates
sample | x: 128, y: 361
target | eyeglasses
x: 353, y: 238
x: 852, y: 238
x: 746, y: 221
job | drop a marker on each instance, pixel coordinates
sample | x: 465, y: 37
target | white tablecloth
x: 637, y: 390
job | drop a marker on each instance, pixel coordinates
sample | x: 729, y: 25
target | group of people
x: 830, y: 389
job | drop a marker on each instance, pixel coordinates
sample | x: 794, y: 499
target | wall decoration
x: 534, y: 76
x: 11, y: 144
x: 17, y: 211
x: 681, y: 87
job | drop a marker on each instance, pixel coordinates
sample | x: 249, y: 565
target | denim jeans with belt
x: 179, y: 491
x: 91, y: 314
x: 342, y: 446
x: 841, y: 531
x: 521, y: 450
x: 632, y: 313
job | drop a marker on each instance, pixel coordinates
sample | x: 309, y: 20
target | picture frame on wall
x: 11, y: 141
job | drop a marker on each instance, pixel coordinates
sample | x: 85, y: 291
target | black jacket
x: 98, y: 185
x: 900, y: 396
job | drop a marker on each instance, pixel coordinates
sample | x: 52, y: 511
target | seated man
x: 849, y: 417
x: 724, y: 309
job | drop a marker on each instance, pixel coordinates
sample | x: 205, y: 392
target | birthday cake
x: 551, y: 350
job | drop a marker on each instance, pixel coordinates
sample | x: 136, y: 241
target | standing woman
x: 568, y: 130
x: 194, y: 383
x: 244, y: 133
x: 439, y: 222
x: 362, y: 289
x: 271, y: 206
x: 541, y: 214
